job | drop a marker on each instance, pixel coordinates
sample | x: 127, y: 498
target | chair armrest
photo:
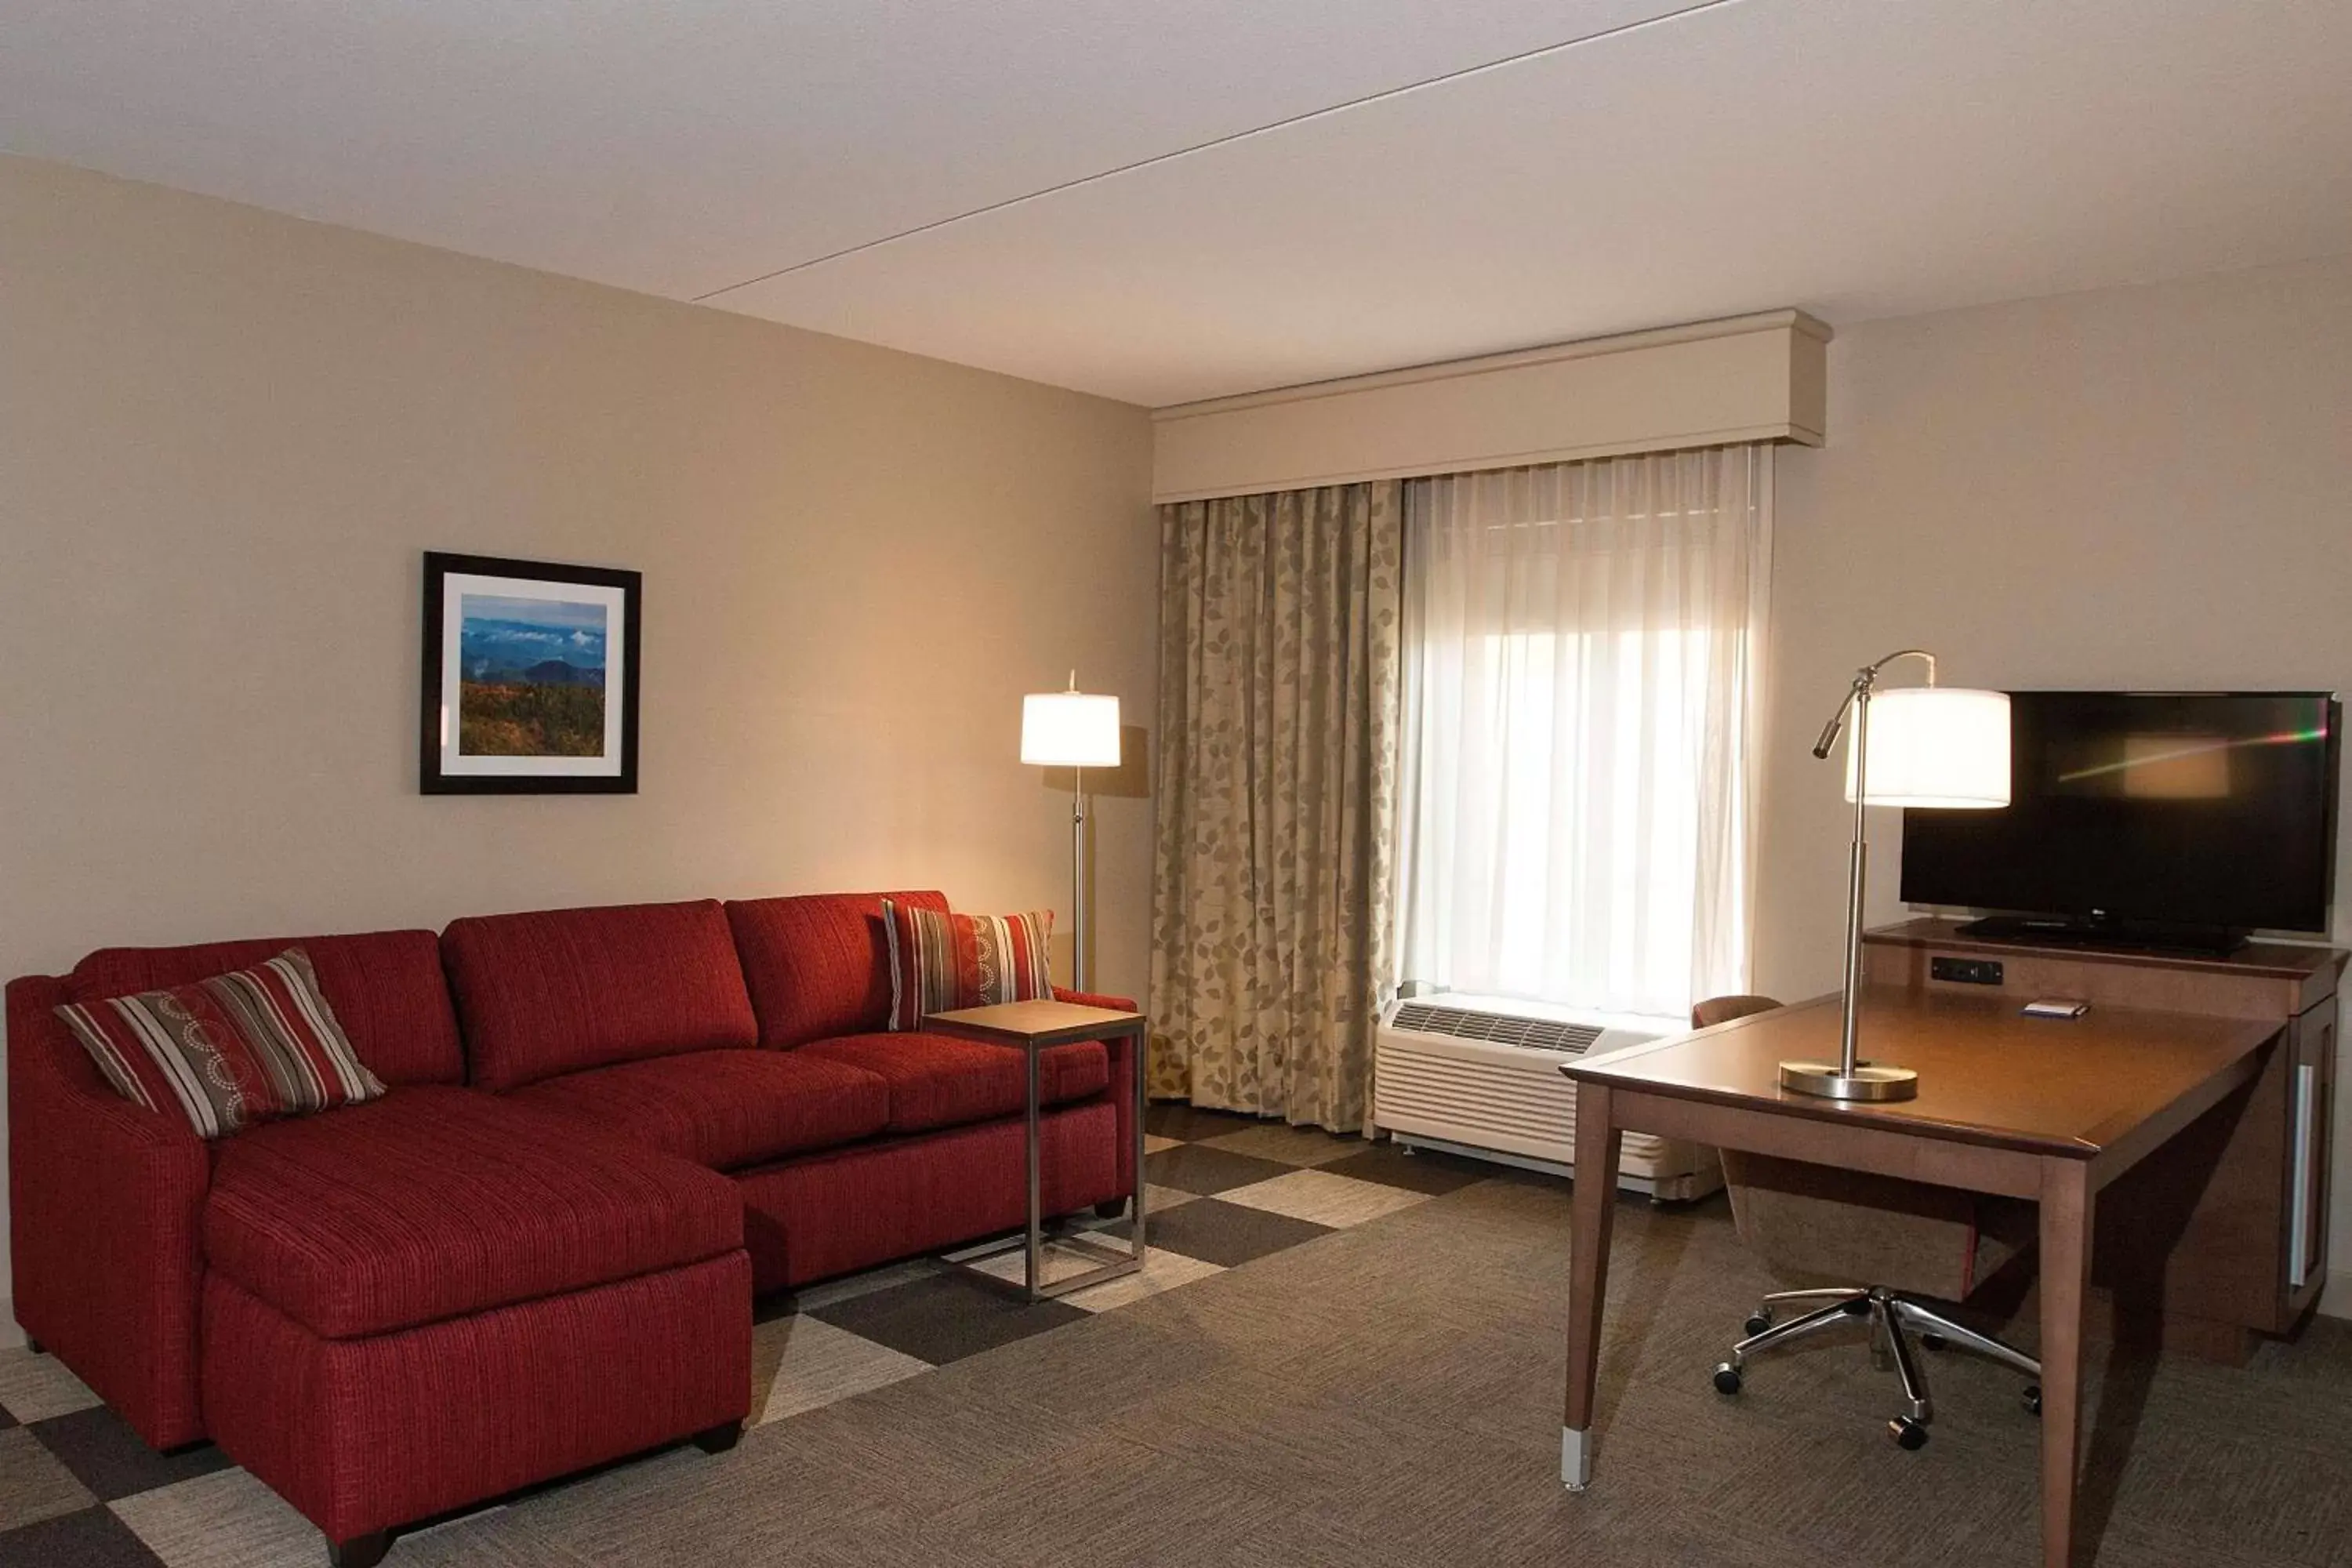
x: 105, y: 1204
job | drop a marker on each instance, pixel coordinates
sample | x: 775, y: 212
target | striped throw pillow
x: 941, y: 961
x: 230, y: 1051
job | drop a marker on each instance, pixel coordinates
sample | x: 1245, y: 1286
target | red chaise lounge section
x: 436, y: 1298
x: 386, y: 1312
x: 604, y: 1130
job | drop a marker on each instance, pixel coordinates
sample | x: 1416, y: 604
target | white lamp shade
x: 1936, y: 745
x: 1069, y: 729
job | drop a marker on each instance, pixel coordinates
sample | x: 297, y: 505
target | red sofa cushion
x: 939, y: 1081
x: 724, y: 1108
x: 385, y: 987
x: 555, y: 991
x: 818, y: 966
x: 431, y: 1202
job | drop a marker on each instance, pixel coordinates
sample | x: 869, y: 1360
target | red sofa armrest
x: 105, y: 1206
x: 1089, y: 999
x: 1123, y: 1066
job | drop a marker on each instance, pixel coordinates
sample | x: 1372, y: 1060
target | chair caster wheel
x: 2031, y: 1399
x: 1933, y: 1341
x: 1907, y: 1433
x: 1727, y: 1379
x: 1757, y: 1322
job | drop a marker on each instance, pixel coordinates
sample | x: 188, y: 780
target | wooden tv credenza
x: 2224, y: 1236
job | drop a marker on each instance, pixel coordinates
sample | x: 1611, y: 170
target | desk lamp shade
x: 1925, y: 745
x: 1936, y: 746
x: 1070, y: 730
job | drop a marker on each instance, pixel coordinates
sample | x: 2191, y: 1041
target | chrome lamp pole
x: 1078, y: 870
x: 1074, y: 729
x: 1941, y: 746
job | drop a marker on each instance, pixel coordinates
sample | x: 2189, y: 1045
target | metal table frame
x: 1032, y: 1028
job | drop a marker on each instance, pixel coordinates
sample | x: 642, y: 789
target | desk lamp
x: 1922, y: 745
x: 1074, y: 729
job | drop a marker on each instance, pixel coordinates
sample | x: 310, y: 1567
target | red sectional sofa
x: 605, y: 1129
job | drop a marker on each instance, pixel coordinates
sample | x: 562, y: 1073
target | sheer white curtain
x: 1582, y: 706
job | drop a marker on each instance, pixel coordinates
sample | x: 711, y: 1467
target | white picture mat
x: 455, y: 586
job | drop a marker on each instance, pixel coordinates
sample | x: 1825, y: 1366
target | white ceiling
x: 1163, y: 202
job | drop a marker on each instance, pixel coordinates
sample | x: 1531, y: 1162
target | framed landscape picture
x: 530, y: 680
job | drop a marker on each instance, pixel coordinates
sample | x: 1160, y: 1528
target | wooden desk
x: 2047, y: 1110
x: 2225, y: 1238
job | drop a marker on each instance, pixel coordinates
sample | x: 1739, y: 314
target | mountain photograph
x: 532, y: 677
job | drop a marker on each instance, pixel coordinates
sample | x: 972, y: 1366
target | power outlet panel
x: 1966, y: 970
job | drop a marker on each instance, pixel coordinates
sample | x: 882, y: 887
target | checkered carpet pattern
x: 80, y: 1490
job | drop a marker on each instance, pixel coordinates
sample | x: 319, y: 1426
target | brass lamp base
x: 1869, y: 1081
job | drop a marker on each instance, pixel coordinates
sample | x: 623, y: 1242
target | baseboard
x: 2336, y: 1300
x: 11, y: 1336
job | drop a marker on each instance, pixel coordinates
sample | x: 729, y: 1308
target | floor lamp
x: 1074, y: 729
x: 1919, y: 745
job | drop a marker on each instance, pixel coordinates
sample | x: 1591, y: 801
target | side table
x: 1031, y: 1027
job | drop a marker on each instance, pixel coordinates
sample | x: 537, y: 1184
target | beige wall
x: 227, y: 437
x: 2133, y: 488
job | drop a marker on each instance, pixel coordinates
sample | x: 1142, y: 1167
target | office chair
x: 1910, y: 1238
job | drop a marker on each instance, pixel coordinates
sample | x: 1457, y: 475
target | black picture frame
x: 436, y: 775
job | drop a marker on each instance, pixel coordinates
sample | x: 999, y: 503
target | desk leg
x: 2068, y: 1205
x: 1598, y: 1143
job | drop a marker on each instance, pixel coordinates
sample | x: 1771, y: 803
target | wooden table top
x: 1040, y: 1021
x: 1987, y: 1074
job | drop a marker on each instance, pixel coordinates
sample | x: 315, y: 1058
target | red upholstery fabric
x: 104, y: 1202
x: 1094, y: 999
x: 556, y: 991
x: 724, y: 1108
x: 817, y: 966
x: 362, y: 1434
x: 385, y: 986
x: 828, y: 1214
x: 936, y: 1081
x: 1122, y: 1074
x: 436, y: 1202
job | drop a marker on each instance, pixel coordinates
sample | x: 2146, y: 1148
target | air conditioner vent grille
x: 1502, y: 1028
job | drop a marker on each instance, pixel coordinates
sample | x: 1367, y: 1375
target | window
x: 1578, y: 784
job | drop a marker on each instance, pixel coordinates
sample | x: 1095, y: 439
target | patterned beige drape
x: 1279, y: 670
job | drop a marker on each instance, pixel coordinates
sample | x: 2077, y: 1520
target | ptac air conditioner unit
x: 1480, y: 1076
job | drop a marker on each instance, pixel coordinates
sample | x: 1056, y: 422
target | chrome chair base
x: 1893, y: 1320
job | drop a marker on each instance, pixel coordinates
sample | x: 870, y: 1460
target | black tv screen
x: 2205, y: 811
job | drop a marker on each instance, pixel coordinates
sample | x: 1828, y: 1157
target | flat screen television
x: 2162, y: 817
